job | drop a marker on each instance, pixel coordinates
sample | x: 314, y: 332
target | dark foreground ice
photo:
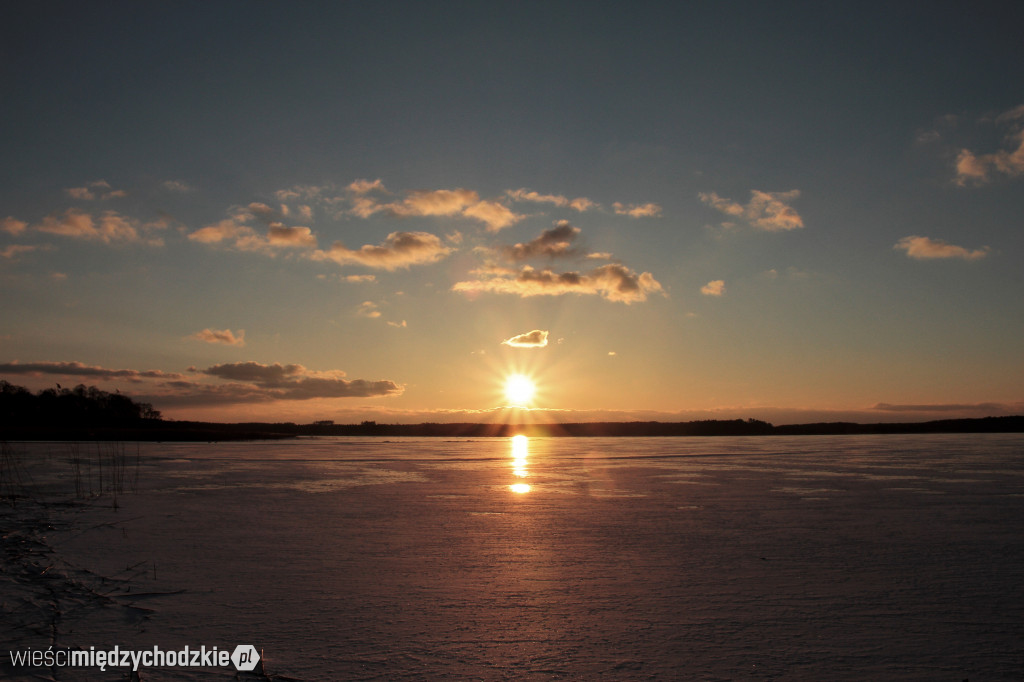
x: 810, y: 558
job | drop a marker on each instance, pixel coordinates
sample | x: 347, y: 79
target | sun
x: 519, y: 389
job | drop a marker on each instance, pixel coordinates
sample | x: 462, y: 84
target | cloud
x: 267, y: 375
x: 768, y: 211
x: 579, y: 204
x: 368, y: 309
x: 637, y: 210
x: 942, y: 127
x: 399, y: 250
x: 235, y: 231
x: 463, y: 203
x: 83, y: 193
x: 440, y: 202
x: 264, y: 212
x: 13, y: 226
x: 360, y: 278
x: 177, y: 186
x: 923, y: 248
x: 295, y: 382
x: 366, y: 186
x: 715, y: 287
x: 494, y: 215
x: 537, y: 338
x: 400, y: 325
x: 109, y: 228
x: 553, y: 243
x: 977, y: 169
x: 791, y: 273
x: 583, y: 204
x: 95, y: 189
x: 281, y: 235
x: 223, y: 336
x: 13, y: 251
x: 77, y: 369
x: 612, y: 282
x: 308, y: 192
x: 225, y: 230
x: 364, y: 207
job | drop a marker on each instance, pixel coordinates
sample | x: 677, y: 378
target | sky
x: 270, y: 211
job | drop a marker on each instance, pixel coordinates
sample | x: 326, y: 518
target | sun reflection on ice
x: 520, y: 452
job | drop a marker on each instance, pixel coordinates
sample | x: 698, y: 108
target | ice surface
x: 809, y: 558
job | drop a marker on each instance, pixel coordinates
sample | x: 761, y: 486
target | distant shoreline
x: 159, y: 430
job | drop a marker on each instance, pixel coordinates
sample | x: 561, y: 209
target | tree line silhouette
x: 80, y: 406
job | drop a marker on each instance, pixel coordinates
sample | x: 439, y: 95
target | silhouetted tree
x: 78, y: 406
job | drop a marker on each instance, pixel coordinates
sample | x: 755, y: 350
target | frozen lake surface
x: 806, y: 558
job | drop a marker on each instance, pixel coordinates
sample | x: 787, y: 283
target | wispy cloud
x: 78, y: 369
x: 494, y: 215
x: 98, y: 189
x: 109, y: 227
x: 637, y: 210
x: 366, y: 186
x: 715, y: 287
x: 227, y: 230
x: 612, y: 282
x: 459, y: 202
x: 368, y: 309
x: 538, y: 338
x: 365, y: 198
x: 439, y: 202
x: 578, y: 204
x: 974, y: 168
x: 236, y: 232
x: 306, y: 192
x: 13, y: 226
x: 222, y: 336
x: 177, y: 186
x: 13, y: 251
x: 399, y: 250
x: 768, y: 211
x: 924, y: 248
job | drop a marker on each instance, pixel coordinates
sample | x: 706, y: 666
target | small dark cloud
x: 554, y: 243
